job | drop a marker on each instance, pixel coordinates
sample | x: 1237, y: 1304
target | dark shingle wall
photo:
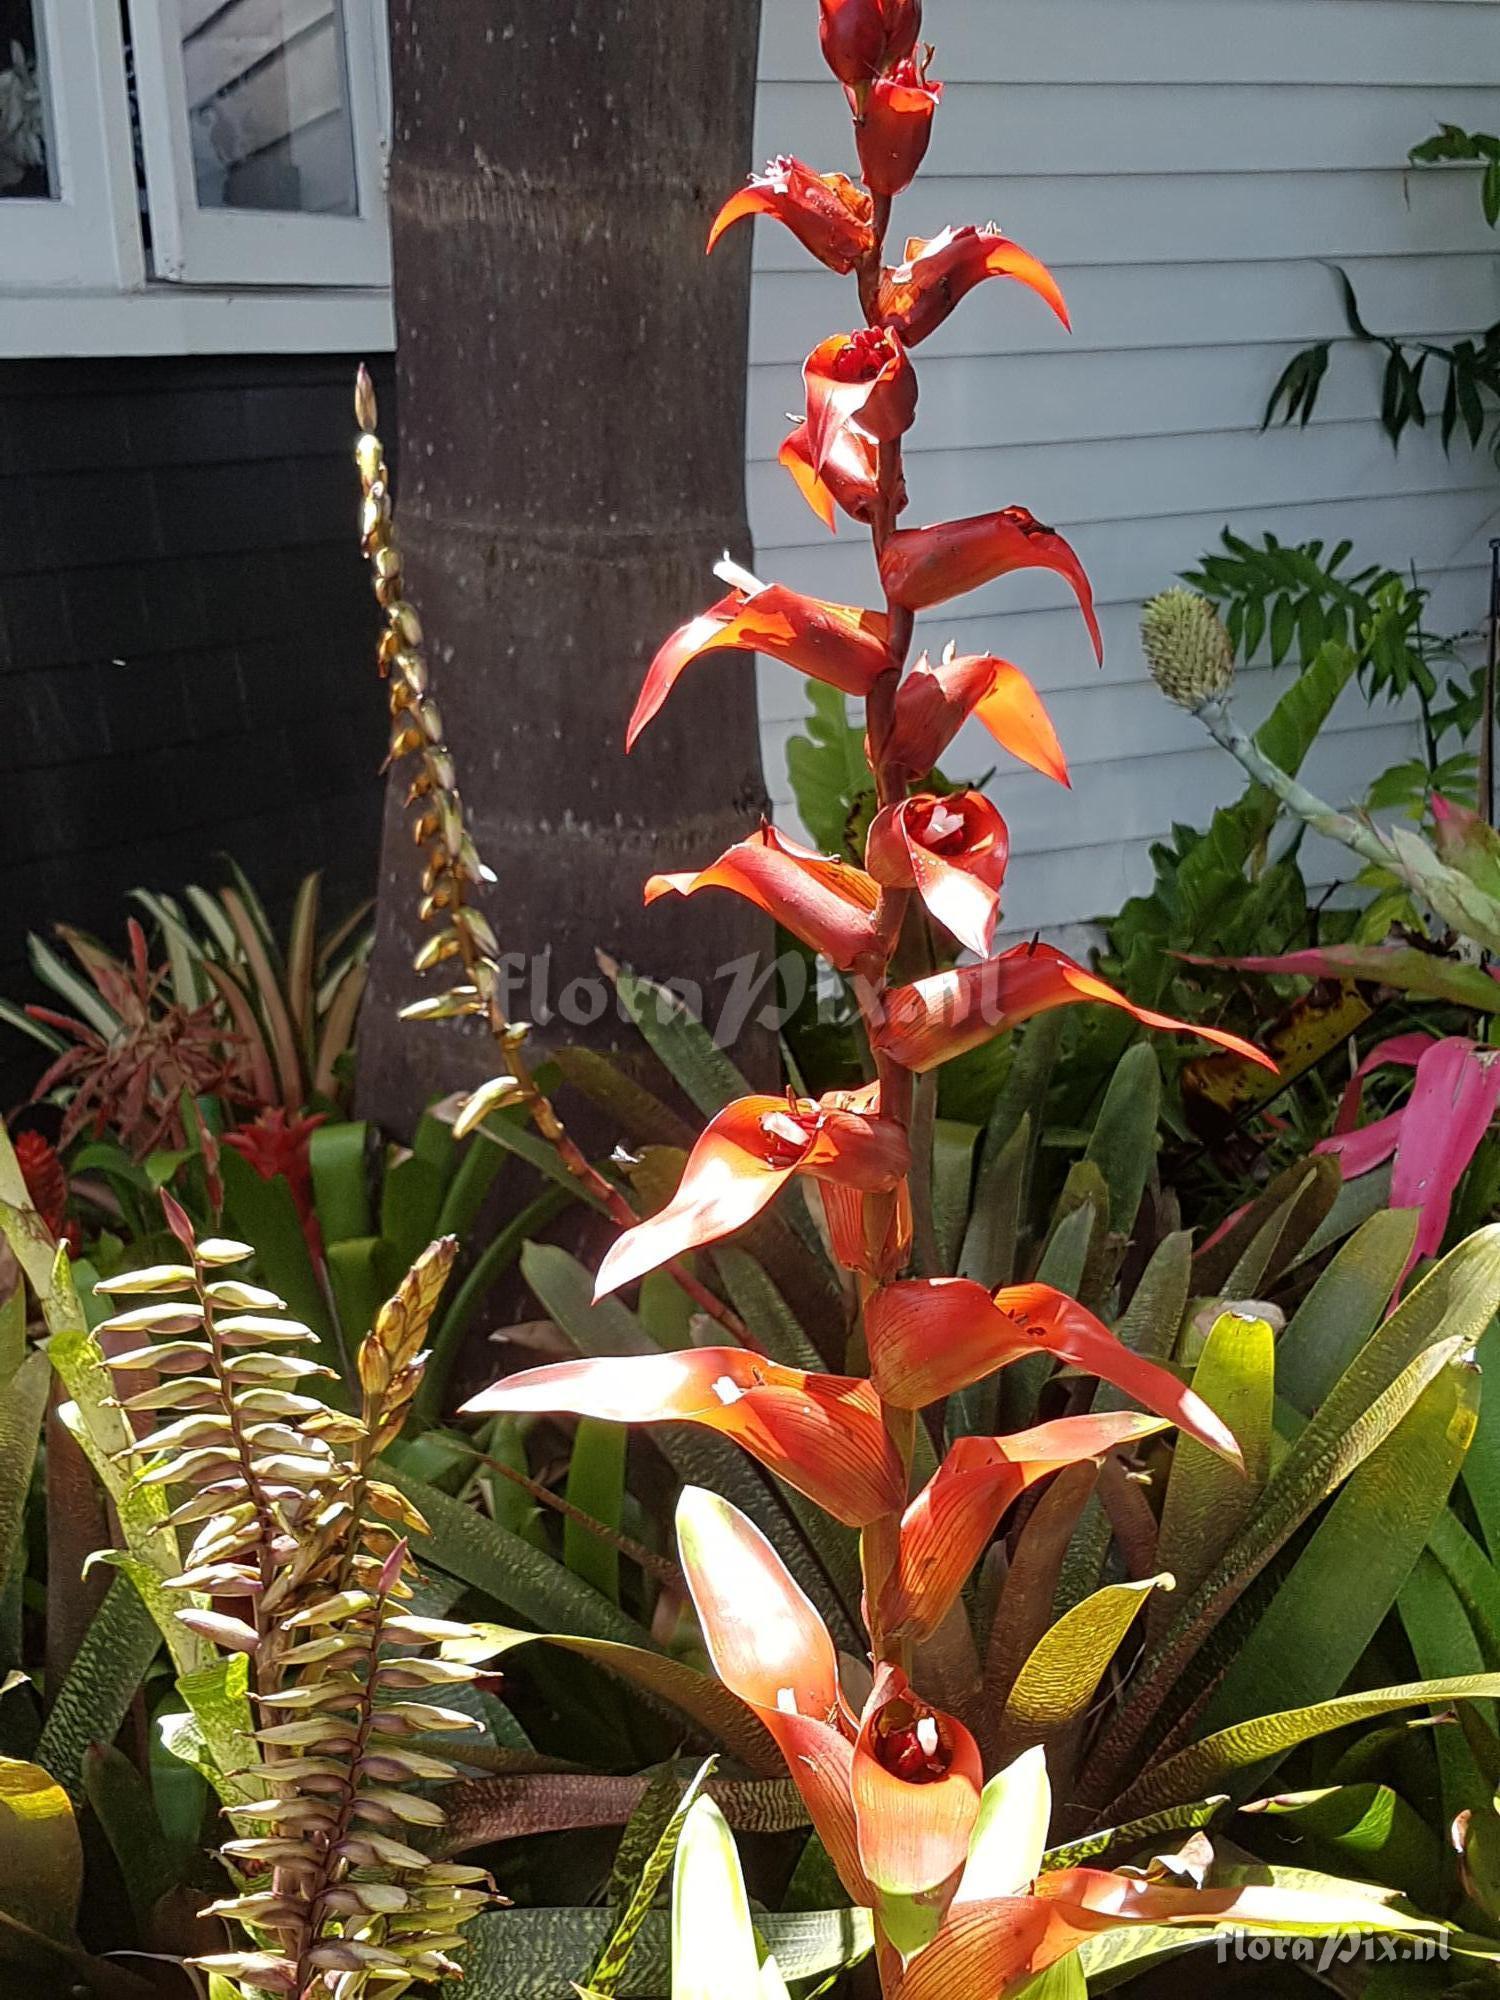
x: 186, y: 640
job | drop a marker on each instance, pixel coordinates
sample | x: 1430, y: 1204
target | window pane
x: 25, y: 141
x: 268, y: 105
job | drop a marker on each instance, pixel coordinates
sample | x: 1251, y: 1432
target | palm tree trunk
x: 571, y: 376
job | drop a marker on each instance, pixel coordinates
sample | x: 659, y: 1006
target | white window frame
x: 246, y: 247
x: 87, y: 235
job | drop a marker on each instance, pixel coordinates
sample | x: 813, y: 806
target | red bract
x: 893, y: 125
x: 826, y: 903
x: 277, y: 1145
x: 953, y: 852
x: 947, y: 1528
x: 929, y: 1337
x: 847, y: 478
x: 46, y: 1181
x: 917, y: 296
x: 834, y: 643
x: 924, y: 566
x: 934, y: 702
x: 939, y: 1018
x: 1435, y: 1134
x: 829, y: 214
x: 743, y: 1159
x: 860, y: 382
x: 861, y: 37
x: 820, y: 1433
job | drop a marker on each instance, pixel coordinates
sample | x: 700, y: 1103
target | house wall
x: 185, y: 641
x: 1189, y: 168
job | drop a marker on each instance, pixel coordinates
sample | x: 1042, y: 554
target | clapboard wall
x: 1190, y: 169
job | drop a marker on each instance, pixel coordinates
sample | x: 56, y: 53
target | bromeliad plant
x: 892, y: 1781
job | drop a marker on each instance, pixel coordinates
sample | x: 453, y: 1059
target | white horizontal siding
x: 1190, y: 169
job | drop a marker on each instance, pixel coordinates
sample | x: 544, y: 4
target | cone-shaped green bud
x: 1188, y: 650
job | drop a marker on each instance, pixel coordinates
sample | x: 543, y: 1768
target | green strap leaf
x: 1064, y: 1669
x: 689, y: 1051
x: 465, y: 1544
x: 539, y: 1954
x: 701, y: 1697
x: 104, y: 1679
x: 1208, y: 1500
x: 609, y: 1968
x: 1309, y: 1639
x: 1343, y: 1308
x: 1218, y: 1757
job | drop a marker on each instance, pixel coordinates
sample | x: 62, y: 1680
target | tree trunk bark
x: 571, y: 380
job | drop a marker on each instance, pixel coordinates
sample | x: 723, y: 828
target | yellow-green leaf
x: 1058, y: 1681
x: 41, y: 1857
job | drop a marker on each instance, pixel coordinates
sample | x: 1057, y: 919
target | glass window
x: 268, y: 105
x: 26, y: 145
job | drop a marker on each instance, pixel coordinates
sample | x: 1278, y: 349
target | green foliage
x: 1468, y: 369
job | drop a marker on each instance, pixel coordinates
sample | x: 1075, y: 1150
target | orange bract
x: 825, y: 902
x: 820, y: 1433
x: 835, y: 643
x: 918, y: 295
x: 936, y: 1019
x: 934, y: 702
x: 925, y: 566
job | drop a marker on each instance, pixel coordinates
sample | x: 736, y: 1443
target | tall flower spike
x: 939, y: 1018
x: 300, y: 1562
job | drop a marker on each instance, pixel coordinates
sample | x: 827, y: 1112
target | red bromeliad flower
x: 829, y: 214
x: 916, y: 296
x: 820, y: 1433
x: 744, y: 1157
x: 953, y: 852
x: 834, y: 643
x: 828, y: 904
x: 849, y: 476
x: 862, y: 37
x: 47, y: 1184
x: 861, y: 382
x: 275, y: 1144
x: 925, y: 566
x: 934, y: 702
x: 893, y: 124
x: 939, y: 1018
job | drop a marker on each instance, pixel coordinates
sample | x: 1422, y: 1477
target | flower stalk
x: 892, y: 1788
x: 452, y: 871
